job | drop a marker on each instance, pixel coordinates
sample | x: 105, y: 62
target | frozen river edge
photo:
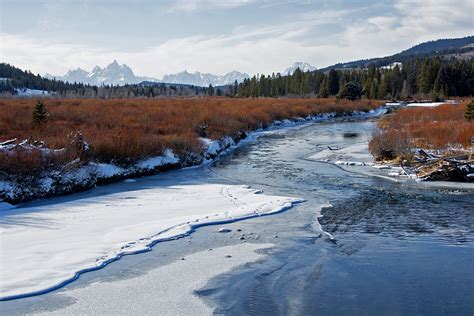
x: 16, y: 283
x: 266, y: 227
x: 46, y: 247
x: 93, y: 174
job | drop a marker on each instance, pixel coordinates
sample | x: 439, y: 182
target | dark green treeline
x: 428, y: 77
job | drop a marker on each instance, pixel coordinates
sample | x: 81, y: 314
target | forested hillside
x: 432, y: 77
x: 459, y: 47
x: 14, y: 78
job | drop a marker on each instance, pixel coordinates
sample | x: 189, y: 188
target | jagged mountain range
x: 112, y: 74
x: 205, y: 79
x: 119, y: 75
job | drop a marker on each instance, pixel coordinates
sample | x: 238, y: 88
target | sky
x: 158, y: 37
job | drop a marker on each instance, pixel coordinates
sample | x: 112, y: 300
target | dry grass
x: 438, y: 128
x: 125, y: 130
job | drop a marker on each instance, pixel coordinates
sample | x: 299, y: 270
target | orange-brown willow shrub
x: 125, y: 130
x: 440, y: 128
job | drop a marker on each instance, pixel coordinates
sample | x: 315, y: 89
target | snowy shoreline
x: 46, y: 247
x: 356, y: 158
x: 91, y: 292
x: 103, y: 229
x: 93, y: 174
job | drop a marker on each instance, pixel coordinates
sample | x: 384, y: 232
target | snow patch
x: 430, y: 104
x: 25, y: 92
x: 167, y: 159
x: 213, y: 147
x: 105, y: 170
x: 46, y: 246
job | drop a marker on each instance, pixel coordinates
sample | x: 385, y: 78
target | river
x: 359, y: 244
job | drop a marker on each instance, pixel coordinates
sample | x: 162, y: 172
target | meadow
x: 444, y: 128
x: 123, y: 131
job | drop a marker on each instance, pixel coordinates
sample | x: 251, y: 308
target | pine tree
x: 210, y: 90
x: 441, y: 80
x: 404, y: 91
x: 469, y: 114
x: 323, y: 90
x: 351, y: 91
x: 253, y: 87
x: 373, y: 90
x: 305, y: 83
x: 333, y: 82
x: 423, y: 77
x: 40, y: 113
x: 384, y: 87
x: 236, y: 86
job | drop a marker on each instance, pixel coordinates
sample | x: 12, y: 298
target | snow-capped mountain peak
x: 116, y: 74
x: 112, y: 74
x: 96, y: 69
x: 303, y: 66
x: 204, y: 79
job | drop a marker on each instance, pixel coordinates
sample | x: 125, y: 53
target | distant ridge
x: 119, y: 75
x: 113, y: 74
x: 205, y: 79
x: 458, y: 47
x: 301, y: 65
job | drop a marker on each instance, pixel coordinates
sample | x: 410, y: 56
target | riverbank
x: 46, y: 247
x: 431, y: 142
x: 77, y: 175
x: 356, y: 158
x: 389, y: 239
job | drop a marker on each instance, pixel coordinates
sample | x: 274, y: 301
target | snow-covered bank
x: 427, y: 104
x: 356, y: 158
x: 45, y: 247
x: 71, y: 180
x: 168, y: 290
x: 25, y: 92
x: 430, y: 104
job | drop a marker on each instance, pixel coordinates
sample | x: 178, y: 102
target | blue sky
x: 160, y: 37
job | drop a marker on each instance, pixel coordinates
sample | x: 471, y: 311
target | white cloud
x: 412, y: 22
x: 195, y: 5
x: 262, y: 49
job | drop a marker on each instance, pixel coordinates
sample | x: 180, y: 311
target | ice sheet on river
x: 355, y: 153
x: 167, y: 290
x: 44, y: 246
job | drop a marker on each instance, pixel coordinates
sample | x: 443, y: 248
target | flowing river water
x: 358, y: 245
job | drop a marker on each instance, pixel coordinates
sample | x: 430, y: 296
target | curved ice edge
x: 149, y: 247
x: 252, y: 137
x: 328, y: 235
x: 291, y: 124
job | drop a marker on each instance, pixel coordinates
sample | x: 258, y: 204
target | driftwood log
x: 457, y: 168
